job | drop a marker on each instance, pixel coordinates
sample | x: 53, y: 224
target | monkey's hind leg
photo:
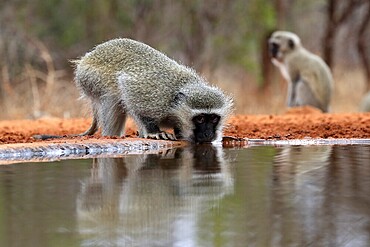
x: 305, y: 96
x: 149, y: 129
x: 112, y: 117
x: 291, y: 95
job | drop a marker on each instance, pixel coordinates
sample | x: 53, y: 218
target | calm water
x: 201, y: 196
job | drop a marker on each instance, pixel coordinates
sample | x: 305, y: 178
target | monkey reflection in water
x: 151, y: 199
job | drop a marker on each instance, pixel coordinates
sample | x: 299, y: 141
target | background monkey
x: 310, y: 80
x: 124, y: 77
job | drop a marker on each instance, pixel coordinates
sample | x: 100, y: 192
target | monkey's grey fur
x: 310, y: 79
x: 365, y: 103
x: 125, y: 77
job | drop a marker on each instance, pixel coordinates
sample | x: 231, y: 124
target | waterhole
x: 316, y: 195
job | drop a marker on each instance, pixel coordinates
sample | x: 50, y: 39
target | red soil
x: 296, y: 123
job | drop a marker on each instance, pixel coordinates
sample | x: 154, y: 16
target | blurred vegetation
x: 223, y: 39
x: 191, y: 30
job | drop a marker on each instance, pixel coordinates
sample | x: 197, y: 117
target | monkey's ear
x: 291, y: 44
x: 180, y: 97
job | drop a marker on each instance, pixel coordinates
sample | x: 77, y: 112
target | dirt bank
x: 296, y: 123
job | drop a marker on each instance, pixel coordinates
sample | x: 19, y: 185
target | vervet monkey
x: 125, y: 77
x: 310, y: 80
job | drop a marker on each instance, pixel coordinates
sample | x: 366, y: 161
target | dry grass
x: 350, y: 88
x: 40, y: 95
x: 249, y: 99
x: 32, y: 98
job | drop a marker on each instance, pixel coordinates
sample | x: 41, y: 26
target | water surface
x: 199, y: 196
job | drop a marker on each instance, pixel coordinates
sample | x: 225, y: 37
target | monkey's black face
x: 205, y: 126
x: 274, y: 49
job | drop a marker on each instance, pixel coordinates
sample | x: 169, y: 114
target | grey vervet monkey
x: 365, y: 103
x: 310, y: 80
x: 125, y: 77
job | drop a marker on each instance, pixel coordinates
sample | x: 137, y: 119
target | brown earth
x: 296, y: 123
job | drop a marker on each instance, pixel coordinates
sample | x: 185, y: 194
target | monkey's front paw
x: 161, y: 136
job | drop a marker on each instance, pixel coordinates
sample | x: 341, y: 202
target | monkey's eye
x: 199, y: 119
x: 214, y: 119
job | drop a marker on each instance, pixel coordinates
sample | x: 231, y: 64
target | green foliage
x: 197, y: 32
x: 67, y: 23
x: 253, y: 20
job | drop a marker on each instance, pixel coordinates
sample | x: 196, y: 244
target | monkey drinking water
x: 124, y: 77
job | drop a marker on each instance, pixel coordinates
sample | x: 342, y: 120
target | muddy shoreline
x: 296, y: 123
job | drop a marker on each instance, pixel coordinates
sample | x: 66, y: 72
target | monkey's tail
x: 45, y: 137
x: 92, y: 130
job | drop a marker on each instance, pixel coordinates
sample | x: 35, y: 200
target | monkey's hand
x: 161, y: 136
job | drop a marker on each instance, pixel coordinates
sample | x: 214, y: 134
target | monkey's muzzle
x: 273, y: 49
